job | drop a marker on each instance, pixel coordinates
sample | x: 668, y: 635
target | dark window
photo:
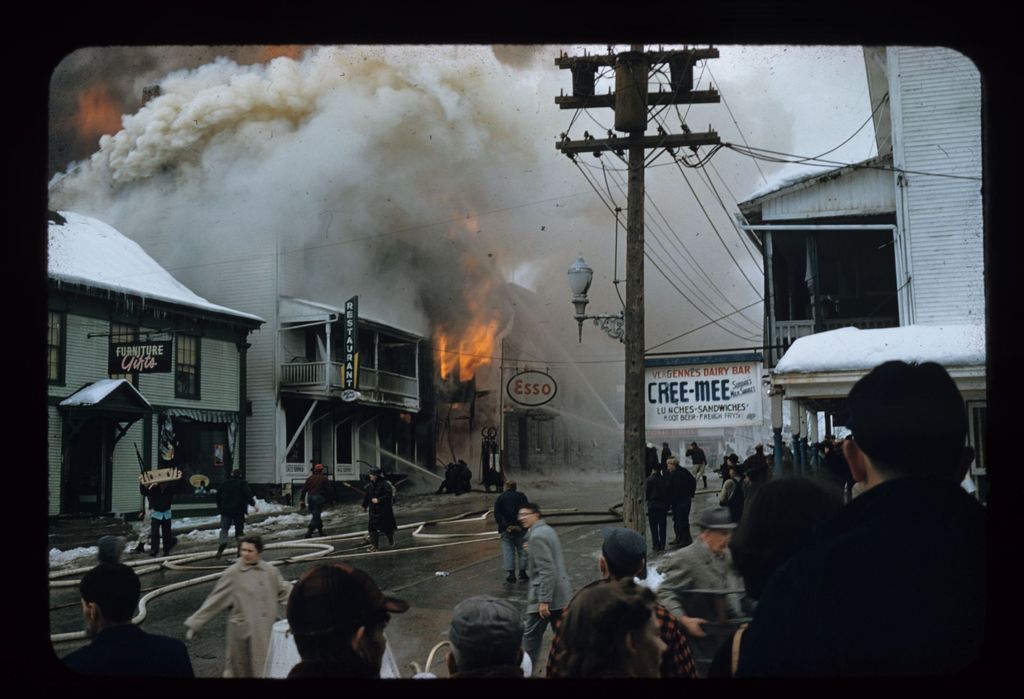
x: 120, y: 332
x: 365, y: 341
x: 186, y: 367
x: 55, y: 336
x: 396, y: 355
x: 293, y: 414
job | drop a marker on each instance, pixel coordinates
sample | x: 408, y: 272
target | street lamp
x: 580, y: 275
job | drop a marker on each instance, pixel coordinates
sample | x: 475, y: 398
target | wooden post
x: 635, y: 438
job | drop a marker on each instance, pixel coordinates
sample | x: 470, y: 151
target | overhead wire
x: 654, y: 263
x: 649, y: 222
x: 735, y: 123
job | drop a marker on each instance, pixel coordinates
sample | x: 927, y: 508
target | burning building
x: 285, y: 190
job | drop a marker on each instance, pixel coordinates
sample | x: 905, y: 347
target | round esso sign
x: 531, y: 388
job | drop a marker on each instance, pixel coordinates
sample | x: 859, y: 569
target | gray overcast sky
x: 343, y: 144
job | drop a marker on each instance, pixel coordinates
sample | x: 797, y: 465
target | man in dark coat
x: 700, y: 462
x: 379, y: 500
x: 666, y: 454
x: 894, y: 584
x: 835, y: 466
x: 234, y: 497
x: 506, y: 516
x: 657, y: 495
x: 110, y: 594
x: 337, y: 616
x: 160, y: 496
x: 755, y: 467
x: 463, y: 477
x: 651, y: 462
x: 319, y: 491
x: 682, y: 486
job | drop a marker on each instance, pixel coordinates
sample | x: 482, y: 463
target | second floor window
x: 186, y: 366
x: 119, y: 332
x: 55, y: 347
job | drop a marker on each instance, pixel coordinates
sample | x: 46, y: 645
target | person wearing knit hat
x: 485, y: 637
x: 337, y: 614
x: 319, y: 490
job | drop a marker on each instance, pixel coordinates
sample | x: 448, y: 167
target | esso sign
x: 531, y: 388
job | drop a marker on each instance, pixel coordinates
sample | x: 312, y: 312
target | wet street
x: 445, y: 550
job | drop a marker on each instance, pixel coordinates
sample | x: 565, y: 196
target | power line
x: 655, y: 264
x: 835, y: 163
x: 693, y: 330
x: 719, y: 235
x: 736, y: 123
x: 690, y: 258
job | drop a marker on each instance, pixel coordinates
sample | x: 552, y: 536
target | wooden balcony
x: 377, y: 386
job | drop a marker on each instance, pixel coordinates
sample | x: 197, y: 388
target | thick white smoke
x: 424, y: 178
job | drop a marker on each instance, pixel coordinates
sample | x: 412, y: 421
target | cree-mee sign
x: 139, y: 357
x: 698, y: 392
x: 531, y: 388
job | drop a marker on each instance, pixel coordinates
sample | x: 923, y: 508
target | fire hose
x: 322, y: 552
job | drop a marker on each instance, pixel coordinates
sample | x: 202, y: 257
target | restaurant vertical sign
x: 350, y: 369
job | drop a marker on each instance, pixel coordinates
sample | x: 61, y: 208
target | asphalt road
x: 464, y: 551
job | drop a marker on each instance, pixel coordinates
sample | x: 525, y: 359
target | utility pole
x: 630, y: 102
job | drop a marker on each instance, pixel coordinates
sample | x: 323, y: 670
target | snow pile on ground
x: 61, y: 559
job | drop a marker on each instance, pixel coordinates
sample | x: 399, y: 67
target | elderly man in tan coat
x: 256, y: 593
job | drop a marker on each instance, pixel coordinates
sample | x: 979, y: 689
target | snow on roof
x: 97, y: 391
x: 87, y: 251
x: 795, y: 174
x: 852, y: 349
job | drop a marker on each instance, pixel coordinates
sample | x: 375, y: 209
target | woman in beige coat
x: 256, y: 593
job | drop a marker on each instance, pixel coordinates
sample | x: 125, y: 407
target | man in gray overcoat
x: 550, y: 589
x: 704, y: 566
x: 256, y: 593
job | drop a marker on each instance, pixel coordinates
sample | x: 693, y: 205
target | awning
x: 108, y: 395
x: 826, y: 365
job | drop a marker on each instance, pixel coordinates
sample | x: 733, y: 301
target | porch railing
x: 311, y: 374
x: 788, y: 331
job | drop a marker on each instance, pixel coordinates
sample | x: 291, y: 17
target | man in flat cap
x: 337, y: 615
x: 700, y: 583
x: 894, y: 583
x: 624, y: 557
x: 379, y: 501
x: 485, y: 638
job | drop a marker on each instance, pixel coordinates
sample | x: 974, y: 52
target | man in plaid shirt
x: 624, y: 555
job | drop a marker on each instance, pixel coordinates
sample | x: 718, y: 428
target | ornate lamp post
x: 580, y: 275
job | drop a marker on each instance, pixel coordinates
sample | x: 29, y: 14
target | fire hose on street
x: 322, y: 550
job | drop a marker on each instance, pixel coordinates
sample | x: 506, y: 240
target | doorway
x: 88, y: 477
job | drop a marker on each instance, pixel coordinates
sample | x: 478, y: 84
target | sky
x: 397, y: 161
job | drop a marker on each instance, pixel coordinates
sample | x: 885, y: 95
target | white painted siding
x: 124, y: 493
x: 936, y: 103
x: 248, y: 285
x: 861, y: 192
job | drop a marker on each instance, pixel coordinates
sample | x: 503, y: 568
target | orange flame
x: 292, y: 51
x: 97, y: 114
x: 460, y: 357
